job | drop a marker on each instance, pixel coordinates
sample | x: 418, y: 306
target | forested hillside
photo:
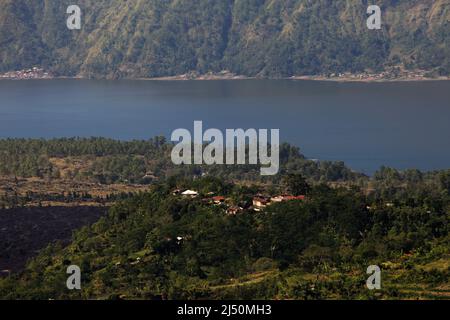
x: 309, y: 233
x: 266, y: 38
x: 110, y: 161
x: 163, y: 246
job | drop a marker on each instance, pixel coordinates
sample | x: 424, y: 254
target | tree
x: 297, y: 184
x: 445, y: 181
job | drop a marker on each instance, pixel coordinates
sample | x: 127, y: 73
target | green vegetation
x: 110, y: 161
x: 267, y: 38
x: 161, y: 246
x: 105, y: 161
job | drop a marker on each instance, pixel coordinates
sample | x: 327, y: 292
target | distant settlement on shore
x: 397, y: 73
x: 32, y: 73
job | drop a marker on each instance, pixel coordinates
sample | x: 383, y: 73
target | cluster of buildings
x: 392, y: 73
x: 261, y: 202
x: 389, y: 74
x: 33, y: 73
x: 258, y: 203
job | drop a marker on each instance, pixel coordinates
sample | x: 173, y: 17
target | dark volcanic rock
x: 24, y: 231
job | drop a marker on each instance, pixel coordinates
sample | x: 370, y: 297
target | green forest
x: 257, y: 38
x: 159, y: 244
x: 114, y: 161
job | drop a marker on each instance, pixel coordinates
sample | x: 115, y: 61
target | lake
x: 403, y: 125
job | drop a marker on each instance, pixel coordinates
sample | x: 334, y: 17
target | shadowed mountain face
x: 273, y: 38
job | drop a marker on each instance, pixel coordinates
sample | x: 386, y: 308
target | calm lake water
x: 403, y: 125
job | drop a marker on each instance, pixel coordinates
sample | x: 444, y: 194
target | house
x: 260, y: 203
x: 6, y: 272
x: 277, y: 199
x: 176, y: 192
x: 190, y: 193
x: 285, y: 198
x: 179, y: 240
x: 234, y: 210
x: 218, y: 200
x: 149, y: 175
x: 290, y: 198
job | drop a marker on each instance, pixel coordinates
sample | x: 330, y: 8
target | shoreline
x: 346, y: 80
x: 413, y: 76
x: 296, y: 78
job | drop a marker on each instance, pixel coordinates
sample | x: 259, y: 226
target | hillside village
x: 258, y: 203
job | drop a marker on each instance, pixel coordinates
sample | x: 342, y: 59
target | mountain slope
x: 271, y: 38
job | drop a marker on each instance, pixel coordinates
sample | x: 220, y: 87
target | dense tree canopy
x: 158, y: 245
